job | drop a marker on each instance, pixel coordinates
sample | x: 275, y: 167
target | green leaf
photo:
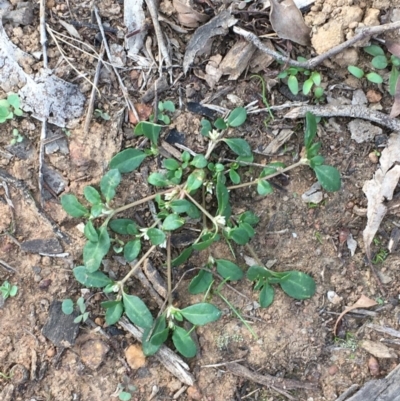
x: 219, y: 123
x: 313, y: 150
x: 160, y: 331
x: 264, y: 188
x: 282, y: 74
x: 156, y: 236
x: 128, y: 160
x: 171, y: 164
x: 132, y: 250
x: 96, y: 210
x: 394, y: 76
x: 379, y: 62
x: 318, y: 92
x: 256, y: 272
x: 195, y: 180
x: 94, y: 252
x: 234, y: 176
x: 357, y: 72
x: 395, y: 60
x: 239, y: 235
x: 201, y: 282
x: 183, y: 257
x: 205, y: 241
x: 14, y: 100
x: 221, y: 190
x: 184, y: 206
x: 183, y: 342
x: 201, y: 314
x: 137, y: 311
x: 311, y: 130
x: 169, y: 106
x: 13, y: 290
x: 114, y: 313
x: 239, y: 146
x: 92, y: 195
x: 109, y: 183
x: 173, y: 222
x: 124, y: 396
x: 237, y: 117
x: 206, y: 127
x: 374, y: 78
x: 266, y: 295
x: 158, y: 180
x: 72, y: 206
x: 248, y: 228
x: 298, y: 285
x: 248, y: 217
x: 124, y: 226
x: 149, y: 130
x: 67, y: 306
x: 90, y: 232
x: 147, y: 346
x: 229, y: 270
x: 293, y: 84
x: 316, y: 161
x: 316, y: 78
x: 307, y: 85
x: 374, y: 50
x: 199, y: 161
x: 95, y: 279
x: 328, y: 177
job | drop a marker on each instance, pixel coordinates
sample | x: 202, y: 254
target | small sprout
x: 98, y: 113
x: 8, y: 290
x: 17, y: 137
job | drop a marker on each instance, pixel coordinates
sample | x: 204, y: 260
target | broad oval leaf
x: 156, y: 236
x: 147, y: 346
x: 67, y: 306
x: 149, y: 130
x: 239, y: 146
x: 95, y: 279
x: 255, y: 272
x: 205, y: 127
x: 357, y: 72
x: 158, y: 180
x: 173, y: 222
x: 183, y: 342
x: 183, y: 257
x: 293, y: 84
x: 328, y: 177
x: 316, y: 77
x: 229, y: 270
x: 266, y: 295
x: 307, y: 85
x: 234, y: 176
x: 379, y: 62
x: 374, y: 78
x: 109, y: 183
x: 199, y: 161
x: 94, y: 252
x: 137, y: 311
x: 239, y: 235
x: 123, y: 226
x: 114, y: 313
x: 72, y: 206
x: 298, y: 285
x: 184, y: 206
x: 171, y: 164
x: 264, y: 187
x: 201, y: 282
x: 237, y: 117
x: 128, y: 160
x: 195, y: 180
x: 374, y: 50
x: 201, y: 314
x: 90, y: 232
x: 92, y: 195
x: 132, y: 250
x: 249, y: 217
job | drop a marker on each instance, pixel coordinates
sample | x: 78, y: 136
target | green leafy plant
x: 182, y: 185
x: 98, y: 113
x: 125, y: 389
x: 380, y: 256
x: 17, y: 137
x: 67, y: 307
x: 163, y: 107
x: 312, y: 79
x: 8, y: 290
x: 10, y: 107
x: 380, y: 61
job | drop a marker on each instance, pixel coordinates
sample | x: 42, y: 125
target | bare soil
x: 295, y: 339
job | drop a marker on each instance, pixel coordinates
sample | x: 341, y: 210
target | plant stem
x: 301, y: 162
x: 204, y: 211
x: 134, y: 268
x: 133, y: 204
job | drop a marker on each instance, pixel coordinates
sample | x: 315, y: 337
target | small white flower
x: 144, y: 235
x: 220, y: 220
x: 214, y: 135
x: 163, y: 244
x: 209, y: 187
x: 171, y: 195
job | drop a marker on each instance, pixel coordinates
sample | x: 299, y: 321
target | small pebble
x: 373, y: 96
x: 51, y: 352
x: 99, y: 321
x: 373, y: 157
x: 332, y: 370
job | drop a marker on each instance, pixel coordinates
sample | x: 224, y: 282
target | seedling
x: 68, y: 307
x: 163, y: 107
x: 350, y: 342
x: 125, y: 390
x: 380, y: 61
x: 313, y: 80
x: 380, y: 256
x: 8, y: 290
x: 98, y: 113
x: 17, y: 137
x: 10, y: 107
x: 181, y: 188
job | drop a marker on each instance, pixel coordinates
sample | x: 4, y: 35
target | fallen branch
x: 313, y: 62
x: 346, y: 111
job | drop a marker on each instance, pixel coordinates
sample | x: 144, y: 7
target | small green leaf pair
x: 67, y: 307
x: 296, y: 284
x: 235, y: 119
x: 10, y: 107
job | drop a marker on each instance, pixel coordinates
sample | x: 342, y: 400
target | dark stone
x: 198, y: 108
x: 174, y: 136
x: 60, y: 328
x: 51, y: 246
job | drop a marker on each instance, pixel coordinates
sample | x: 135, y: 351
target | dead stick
x: 310, y: 64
